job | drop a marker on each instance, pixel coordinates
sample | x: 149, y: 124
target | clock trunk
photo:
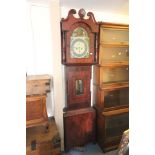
x: 78, y: 86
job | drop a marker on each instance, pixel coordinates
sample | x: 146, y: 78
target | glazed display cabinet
x: 111, y: 85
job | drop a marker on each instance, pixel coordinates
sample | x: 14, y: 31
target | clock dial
x: 79, y: 45
x: 79, y: 48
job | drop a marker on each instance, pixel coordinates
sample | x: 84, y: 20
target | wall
x: 44, y: 56
x: 58, y: 86
x: 39, y: 56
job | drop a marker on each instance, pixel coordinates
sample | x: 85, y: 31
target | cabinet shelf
x: 117, y: 26
x: 114, y: 64
x: 113, y: 74
x: 114, y: 55
x: 114, y: 85
x: 111, y: 125
x: 111, y: 98
x: 115, y: 112
x: 114, y: 35
x: 113, y: 44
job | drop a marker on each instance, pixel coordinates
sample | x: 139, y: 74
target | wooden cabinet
x: 111, y: 85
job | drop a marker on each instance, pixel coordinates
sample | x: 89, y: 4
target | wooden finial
x: 82, y: 13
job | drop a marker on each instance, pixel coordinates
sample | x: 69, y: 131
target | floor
x: 90, y: 149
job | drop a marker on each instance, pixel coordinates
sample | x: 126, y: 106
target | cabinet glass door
x: 113, y: 35
x: 113, y: 54
x: 118, y: 74
x: 115, y: 125
x: 116, y: 98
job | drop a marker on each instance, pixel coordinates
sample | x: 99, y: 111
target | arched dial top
x: 79, y: 43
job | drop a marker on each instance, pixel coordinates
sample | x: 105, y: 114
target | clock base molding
x: 76, y: 106
x: 79, y: 127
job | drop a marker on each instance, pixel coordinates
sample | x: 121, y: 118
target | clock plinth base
x: 79, y: 127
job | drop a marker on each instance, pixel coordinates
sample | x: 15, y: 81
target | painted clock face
x: 79, y: 45
x: 79, y: 48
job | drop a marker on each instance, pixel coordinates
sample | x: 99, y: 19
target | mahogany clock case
x: 79, y: 42
x: 79, y: 39
x: 78, y: 87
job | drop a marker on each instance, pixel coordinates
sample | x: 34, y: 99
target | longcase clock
x: 79, y: 42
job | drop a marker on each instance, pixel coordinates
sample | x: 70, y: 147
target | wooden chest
x: 79, y: 127
x: 37, y: 87
x: 37, y: 84
x: 39, y: 142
